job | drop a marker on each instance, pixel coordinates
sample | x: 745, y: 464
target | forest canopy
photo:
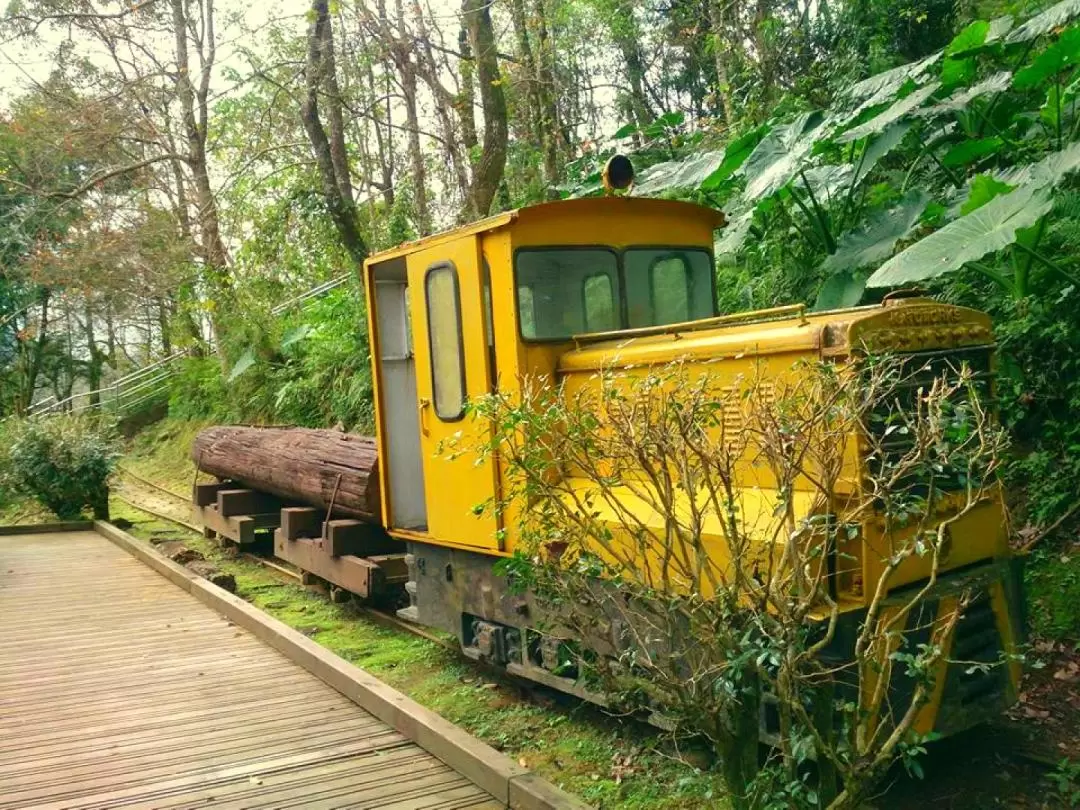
x: 200, y: 180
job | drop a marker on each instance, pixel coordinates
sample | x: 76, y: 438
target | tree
x: 330, y: 153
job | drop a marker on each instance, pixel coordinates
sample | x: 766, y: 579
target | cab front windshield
x: 569, y: 291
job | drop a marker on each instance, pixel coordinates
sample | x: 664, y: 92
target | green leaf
x: 296, y: 334
x: 959, y: 69
x: 625, y: 131
x: 1050, y: 111
x: 1062, y: 54
x: 879, y: 147
x: 841, y: 290
x: 894, y: 113
x: 826, y: 181
x: 960, y: 99
x: 971, y: 150
x: 1047, y: 21
x: 735, y: 154
x: 663, y: 123
x: 986, y: 230
x: 874, y: 240
x: 690, y: 172
x: 883, y: 87
x: 971, y: 37
x: 984, y: 188
x: 997, y: 28
x: 780, y: 154
x: 1047, y: 172
x: 246, y: 361
x: 732, y: 238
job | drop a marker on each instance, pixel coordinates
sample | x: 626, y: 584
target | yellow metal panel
x: 455, y: 485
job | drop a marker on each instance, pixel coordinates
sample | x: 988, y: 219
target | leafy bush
x: 197, y: 391
x: 310, y: 368
x: 63, y: 462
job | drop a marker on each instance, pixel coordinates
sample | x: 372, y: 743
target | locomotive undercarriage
x: 458, y: 592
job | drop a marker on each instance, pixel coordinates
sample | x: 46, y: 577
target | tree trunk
x: 300, y: 464
x: 35, y: 356
x: 547, y: 103
x: 467, y: 97
x: 416, y: 155
x: 627, y: 35
x: 329, y: 149
x: 489, y: 170
x: 532, y: 77
x: 194, y: 109
x: 719, y: 47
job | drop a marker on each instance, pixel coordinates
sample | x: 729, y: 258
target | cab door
x: 445, y: 285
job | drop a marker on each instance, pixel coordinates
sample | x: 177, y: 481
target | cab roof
x: 583, y: 207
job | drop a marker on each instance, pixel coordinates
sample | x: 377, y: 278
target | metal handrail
x: 122, y: 387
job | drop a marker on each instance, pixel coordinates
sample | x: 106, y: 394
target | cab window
x: 568, y: 291
x: 445, y: 342
x: 668, y: 286
x: 571, y: 291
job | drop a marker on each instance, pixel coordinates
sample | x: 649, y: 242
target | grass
x: 608, y: 762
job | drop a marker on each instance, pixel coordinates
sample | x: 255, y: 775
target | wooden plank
x: 206, y: 494
x: 301, y: 521
x: 245, y: 502
x: 480, y: 763
x: 240, y: 528
x: 134, y: 693
x: 355, y: 574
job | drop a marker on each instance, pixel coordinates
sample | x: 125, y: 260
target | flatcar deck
x: 120, y: 689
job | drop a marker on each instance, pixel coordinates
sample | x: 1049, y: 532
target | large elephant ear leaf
x: 876, y: 238
x: 1054, y: 17
x: 1062, y: 54
x: 1047, y: 172
x: 959, y: 100
x: 243, y: 363
x: 883, y: 87
x: 778, y: 157
x: 901, y: 108
x: 841, y: 290
x: 732, y: 238
x: 688, y: 173
x: 959, y: 67
x: 988, y: 229
x: 735, y: 154
x: 880, y: 147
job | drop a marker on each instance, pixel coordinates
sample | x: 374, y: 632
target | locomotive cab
x: 557, y: 292
x: 457, y: 314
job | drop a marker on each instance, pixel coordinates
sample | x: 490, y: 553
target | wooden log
x: 296, y: 464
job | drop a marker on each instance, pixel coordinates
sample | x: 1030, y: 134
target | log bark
x: 296, y: 464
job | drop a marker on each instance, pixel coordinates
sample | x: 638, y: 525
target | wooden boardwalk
x: 120, y: 689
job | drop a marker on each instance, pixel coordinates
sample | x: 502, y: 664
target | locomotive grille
x: 890, y: 441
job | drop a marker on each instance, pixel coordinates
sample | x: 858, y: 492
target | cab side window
x: 445, y: 341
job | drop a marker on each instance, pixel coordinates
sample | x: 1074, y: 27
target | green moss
x: 1053, y: 592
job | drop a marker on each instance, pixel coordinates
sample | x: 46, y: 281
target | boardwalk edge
x: 517, y: 787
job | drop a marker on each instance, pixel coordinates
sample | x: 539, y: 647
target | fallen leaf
x: 522, y: 762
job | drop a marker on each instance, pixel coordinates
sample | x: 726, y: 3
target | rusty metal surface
x: 118, y: 689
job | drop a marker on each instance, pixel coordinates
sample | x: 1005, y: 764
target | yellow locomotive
x: 561, y: 290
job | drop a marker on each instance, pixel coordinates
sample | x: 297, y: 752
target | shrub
x: 63, y: 462
x: 680, y: 562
